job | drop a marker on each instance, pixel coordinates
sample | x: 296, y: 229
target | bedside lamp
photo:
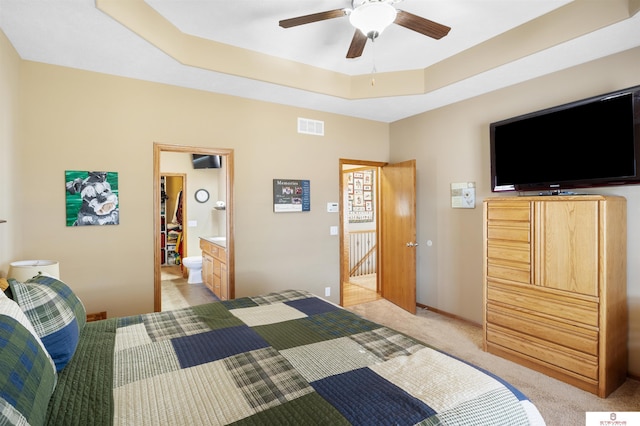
x: 26, y: 269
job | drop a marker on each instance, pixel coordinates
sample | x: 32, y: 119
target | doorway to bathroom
x: 187, y: 207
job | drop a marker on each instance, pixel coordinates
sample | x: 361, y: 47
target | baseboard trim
x: 448, y: 314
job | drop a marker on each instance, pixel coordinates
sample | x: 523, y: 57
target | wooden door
x: 567, y: 246
x: 398, y: 234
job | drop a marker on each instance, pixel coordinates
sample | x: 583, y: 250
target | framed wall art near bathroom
x: 91, y: 198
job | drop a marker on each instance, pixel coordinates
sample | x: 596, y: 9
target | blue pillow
x: 27, y: 373
x: 56, y: 313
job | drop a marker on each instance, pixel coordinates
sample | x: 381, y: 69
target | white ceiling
x: 74, y: 33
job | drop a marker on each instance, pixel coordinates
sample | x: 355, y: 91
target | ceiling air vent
x: 310, y: 127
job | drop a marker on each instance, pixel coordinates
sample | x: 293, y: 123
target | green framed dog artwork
x: 92, y: 198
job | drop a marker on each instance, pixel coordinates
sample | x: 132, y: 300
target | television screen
x: 207, y: 161
x: 593, y: 142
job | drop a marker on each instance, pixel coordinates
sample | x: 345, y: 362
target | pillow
x: 56, y: 313
x: 27, y: 373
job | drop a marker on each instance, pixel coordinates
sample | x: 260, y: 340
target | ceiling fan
x: 370, y: 18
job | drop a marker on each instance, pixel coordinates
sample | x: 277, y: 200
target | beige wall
x: 451, y: 144
x: 9, y: 94
x: 76, y: 120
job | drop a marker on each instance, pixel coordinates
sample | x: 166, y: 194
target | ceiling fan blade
x: 314, y: 17
x: 357, y: 45
x: 421, y: 25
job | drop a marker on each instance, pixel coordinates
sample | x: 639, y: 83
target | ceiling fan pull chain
x: 373, y: 55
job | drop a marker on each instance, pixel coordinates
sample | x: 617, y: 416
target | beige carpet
x: 558, y: 402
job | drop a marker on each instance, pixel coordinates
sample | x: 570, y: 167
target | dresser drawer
x: 548, y: 353
x: 532, y: 299
x: 514, y: 272
x: 509, y: 250
x: 581, y: 339
x: 509, y: 210
x: 509, y: 233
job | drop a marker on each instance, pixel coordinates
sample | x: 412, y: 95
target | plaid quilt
x: 282, y: 358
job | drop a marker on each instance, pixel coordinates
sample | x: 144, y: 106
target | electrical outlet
x: 327, y: 291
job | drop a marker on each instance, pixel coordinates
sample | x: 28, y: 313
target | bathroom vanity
x: 214, y: 265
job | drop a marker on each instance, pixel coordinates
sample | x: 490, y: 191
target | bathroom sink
x: 222, y: 241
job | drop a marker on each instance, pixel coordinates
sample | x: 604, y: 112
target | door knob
x: 412, y: 244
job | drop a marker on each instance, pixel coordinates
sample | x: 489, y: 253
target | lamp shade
x: 25, y: 269
x: 373, y: 18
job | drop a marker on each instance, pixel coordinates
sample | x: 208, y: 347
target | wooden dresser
x: 214, y: 268
x: 555, y: 286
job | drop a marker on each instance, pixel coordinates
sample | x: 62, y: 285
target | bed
x: 281, y: 358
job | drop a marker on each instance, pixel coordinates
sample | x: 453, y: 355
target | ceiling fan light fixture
x: 373, y: 17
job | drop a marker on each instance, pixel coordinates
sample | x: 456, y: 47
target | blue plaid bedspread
x: 282, y: 358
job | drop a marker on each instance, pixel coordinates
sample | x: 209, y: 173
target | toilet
x: 194, y: 265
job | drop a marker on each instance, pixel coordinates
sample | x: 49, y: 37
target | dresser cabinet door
x: 567, y: 248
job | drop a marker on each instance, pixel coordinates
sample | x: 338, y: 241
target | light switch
x: 333, y: 230
x: 332, y: 207
x: 192, y: 223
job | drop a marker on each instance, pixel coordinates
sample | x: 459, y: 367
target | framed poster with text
x: 291, y: 195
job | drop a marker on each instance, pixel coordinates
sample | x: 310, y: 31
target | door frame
x: 343, y: 225
x: 158, y: 149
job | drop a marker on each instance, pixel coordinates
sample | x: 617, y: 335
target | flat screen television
x: 201, y: 161
x: 588, y: 143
